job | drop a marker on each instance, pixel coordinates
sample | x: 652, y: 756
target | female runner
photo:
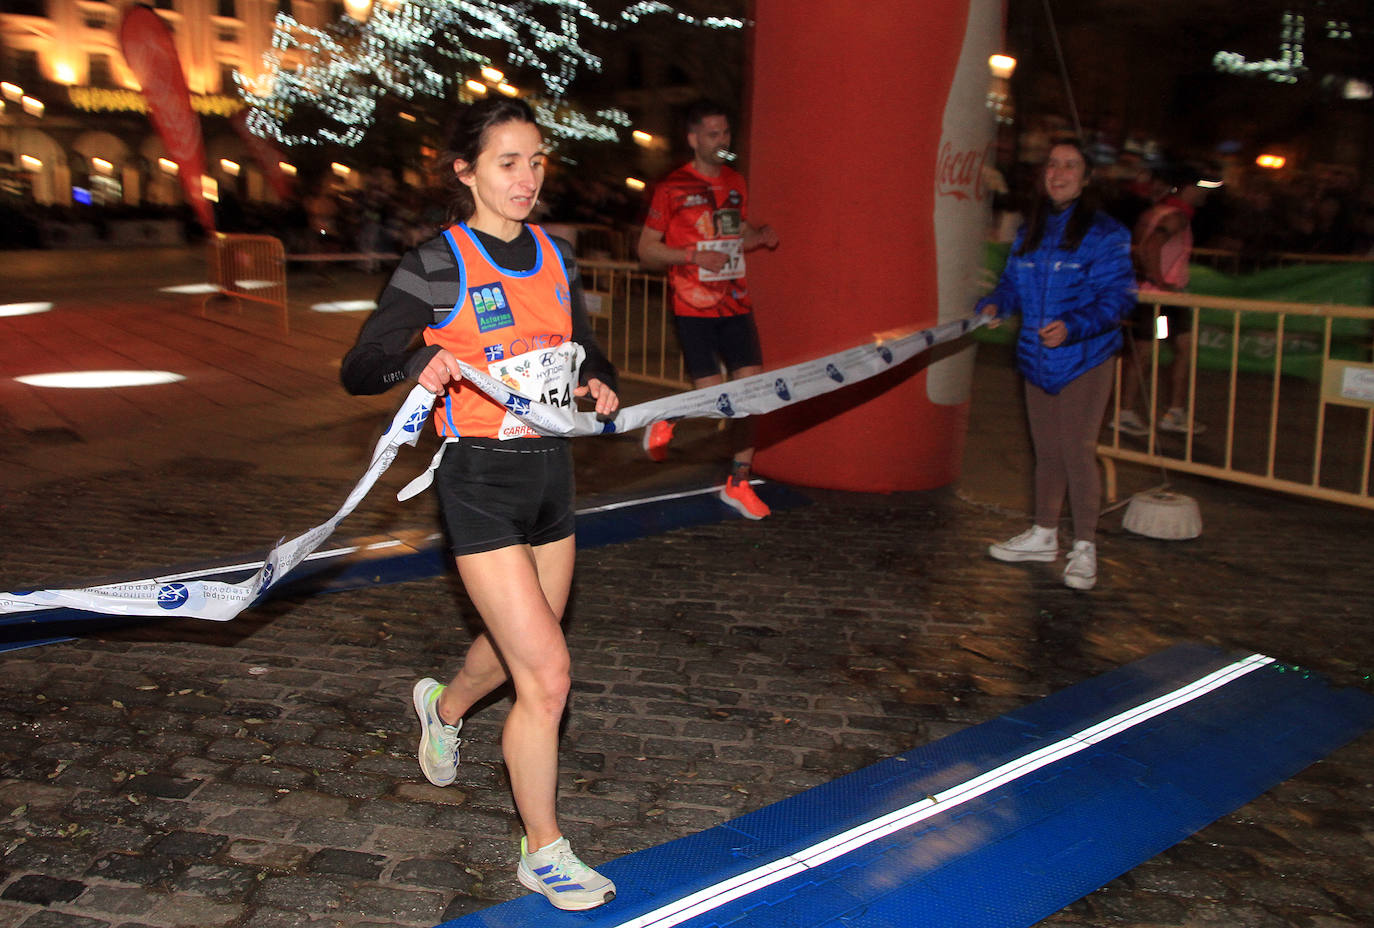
x: 501, y: 295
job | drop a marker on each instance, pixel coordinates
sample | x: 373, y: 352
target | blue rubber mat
x: 999, y: 825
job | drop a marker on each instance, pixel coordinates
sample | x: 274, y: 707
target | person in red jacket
x: 697, y: 229
x: 501, y: 295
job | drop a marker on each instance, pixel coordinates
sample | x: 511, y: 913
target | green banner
x: 1347, y: 284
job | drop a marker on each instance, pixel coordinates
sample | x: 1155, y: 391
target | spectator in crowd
x: 1162, y: 244
x: 1069, y: 277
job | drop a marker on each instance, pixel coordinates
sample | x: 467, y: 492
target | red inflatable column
x: 869, y: 142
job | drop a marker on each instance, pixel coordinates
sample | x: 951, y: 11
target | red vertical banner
x: 867, y: 132
x: 152, y: 57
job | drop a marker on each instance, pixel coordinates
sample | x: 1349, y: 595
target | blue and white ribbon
x: 750, y: 396
x: 212, y: 599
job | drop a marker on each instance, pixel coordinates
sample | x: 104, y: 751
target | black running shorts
x: 494, y: 494
x: 732, y: 339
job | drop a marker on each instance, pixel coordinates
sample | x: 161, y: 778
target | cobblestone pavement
x: 261, y: 772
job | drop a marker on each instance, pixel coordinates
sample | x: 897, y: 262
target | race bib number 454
x: 545, y: 375
x: 733, y: 249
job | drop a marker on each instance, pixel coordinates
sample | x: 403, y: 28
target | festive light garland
x: 1286, y: 68
x: 343, y: 70
x: 118, y: 100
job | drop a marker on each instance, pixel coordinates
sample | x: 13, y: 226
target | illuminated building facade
x: 73, y: 127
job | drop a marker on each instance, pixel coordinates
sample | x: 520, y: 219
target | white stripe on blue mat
x: 999, y: 825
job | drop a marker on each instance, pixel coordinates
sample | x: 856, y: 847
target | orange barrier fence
x: 249, y: 267
x: 1264, y: 424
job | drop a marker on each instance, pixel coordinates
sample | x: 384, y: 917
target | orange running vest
x: 500, y: 315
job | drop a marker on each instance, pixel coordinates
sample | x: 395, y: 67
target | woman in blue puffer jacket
x: 1069, y: 277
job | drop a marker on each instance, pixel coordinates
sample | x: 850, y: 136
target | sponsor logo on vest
x: 493, y: 311
x: 495, y: 352
x: 780, y: 388
x: 521, y: 345
x: 959, y: 174
x: 172, y: 595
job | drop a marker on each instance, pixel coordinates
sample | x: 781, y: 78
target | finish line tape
x: 750, y: 396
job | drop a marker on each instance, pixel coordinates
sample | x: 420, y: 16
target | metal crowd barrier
x: 249, y: 267
x: 633, y: 319
x: 1286, y: 391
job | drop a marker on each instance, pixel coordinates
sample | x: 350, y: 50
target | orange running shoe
x: 656, y: 438
x: 740, y: 496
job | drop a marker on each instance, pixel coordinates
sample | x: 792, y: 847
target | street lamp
x: 999, y: 90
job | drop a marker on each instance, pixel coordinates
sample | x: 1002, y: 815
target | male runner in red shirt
x: 697, y: 230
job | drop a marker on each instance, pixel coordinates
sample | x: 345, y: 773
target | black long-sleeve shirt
x: 423, y: 291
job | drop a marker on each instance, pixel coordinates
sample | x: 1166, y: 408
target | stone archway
x: 46, y: 161
x: 244, y: 180
x: 112, y: 176
x: 160, y: 184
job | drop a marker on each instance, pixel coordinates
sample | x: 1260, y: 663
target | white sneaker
x: 1081, y: 571
x: 1176, y: 420
x: 565, y: 881
x: 1128, y: 422
x: 438, y: 751
x: 1034, y: 544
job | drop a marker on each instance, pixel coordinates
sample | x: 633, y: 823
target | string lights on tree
x: 1286, y: 68
x: 324, y: 85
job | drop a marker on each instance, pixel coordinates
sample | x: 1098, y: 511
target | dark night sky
x: 1148, y: 66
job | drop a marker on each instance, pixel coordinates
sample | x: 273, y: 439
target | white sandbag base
x: 1161, y: 514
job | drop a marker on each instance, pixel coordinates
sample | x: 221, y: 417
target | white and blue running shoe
x: 564, y: 880
x: 438, y: 751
